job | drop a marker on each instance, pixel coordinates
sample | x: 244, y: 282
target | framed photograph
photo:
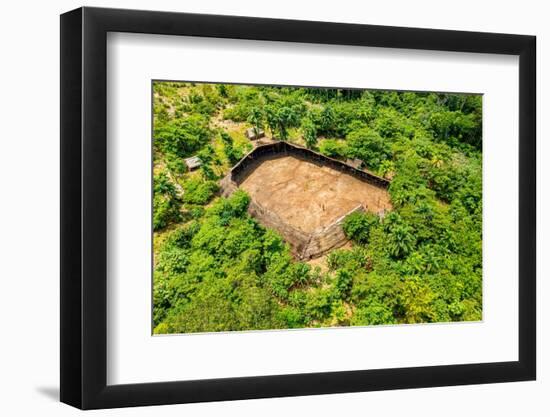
x: 257, y: 208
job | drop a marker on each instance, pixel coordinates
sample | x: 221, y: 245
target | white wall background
x: 29, y: 219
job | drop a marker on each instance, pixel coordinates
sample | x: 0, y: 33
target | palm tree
x: 272, y: 119
x: 328, y: 117
x: 401, y: 241
x: 286, y: 117
x: 309, y: 132
x: 256, y: 119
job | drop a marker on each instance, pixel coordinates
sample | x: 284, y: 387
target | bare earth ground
x: 309, y: 196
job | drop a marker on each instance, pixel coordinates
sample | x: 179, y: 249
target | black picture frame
x: 84, y: 207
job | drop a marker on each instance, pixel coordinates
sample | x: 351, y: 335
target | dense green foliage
x: 217, y: 269
x: 165, y: 202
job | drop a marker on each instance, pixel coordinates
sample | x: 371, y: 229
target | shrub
x: 166, y: 203
x: 182, y: 137
x: 344, y: 280
x: 400, y: 238
x: 333, y: 148
x: 309, y: 132
x: 368, y: 145
x: 357, y: 226
x: 233, y: 154
x: 198, y: 191
x: 371, y: 314
x: 165, y: 211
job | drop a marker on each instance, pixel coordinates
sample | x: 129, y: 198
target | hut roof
x: 356, y: 163
x: 251, y: 133
x: 192, y: 162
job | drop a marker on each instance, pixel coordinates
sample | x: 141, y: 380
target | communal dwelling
x: 305, y: 195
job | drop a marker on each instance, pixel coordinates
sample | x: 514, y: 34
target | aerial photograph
x: 288, y: 207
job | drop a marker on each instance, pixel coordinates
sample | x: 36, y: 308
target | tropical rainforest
x: 218, y: 269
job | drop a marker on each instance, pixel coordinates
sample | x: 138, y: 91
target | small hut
x: 251, y: 134
x: 356, y: 163
x: 192, y: 163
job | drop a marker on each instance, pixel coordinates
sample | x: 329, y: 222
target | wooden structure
x: 356, y: 163
x: 251, y: 134
x: 282, y: 147
x: 192, y: 163
x: 304, y: 244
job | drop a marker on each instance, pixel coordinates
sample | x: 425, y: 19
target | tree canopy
x: 217, y: 269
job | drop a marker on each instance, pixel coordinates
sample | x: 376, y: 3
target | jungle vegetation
x: 217, y: 269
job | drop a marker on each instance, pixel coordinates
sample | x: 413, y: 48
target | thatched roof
x: 192, y: 163
x: 251, y: 134
x: 290, y: 148
x: 356, y: 163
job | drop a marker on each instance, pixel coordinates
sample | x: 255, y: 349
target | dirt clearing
x: 310, y: 196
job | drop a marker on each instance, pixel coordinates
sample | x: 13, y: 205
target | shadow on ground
x: 50, y: 392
